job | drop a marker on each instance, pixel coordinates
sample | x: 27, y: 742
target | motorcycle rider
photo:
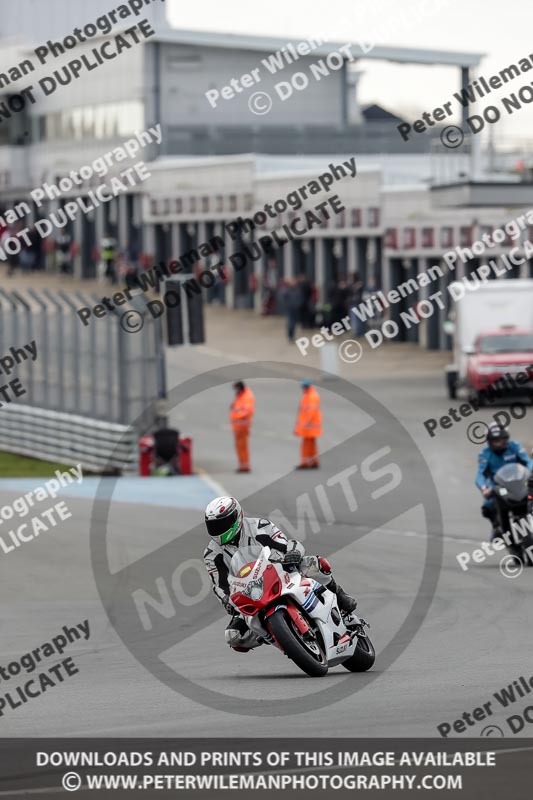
x: 229, y: 530
x: 499, y: 450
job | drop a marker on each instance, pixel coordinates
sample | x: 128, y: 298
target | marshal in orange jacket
x: 309, y: 420
x: 242, y: 410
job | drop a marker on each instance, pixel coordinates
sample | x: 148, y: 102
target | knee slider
x: 232, y: 637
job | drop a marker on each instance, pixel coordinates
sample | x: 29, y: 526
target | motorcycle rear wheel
x: 363, y: 658
x: 526, y: 551
x: 290, y: 639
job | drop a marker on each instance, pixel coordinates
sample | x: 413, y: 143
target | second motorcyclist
x: 499, y: 450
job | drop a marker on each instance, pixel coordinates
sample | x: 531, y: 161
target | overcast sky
x: 501, y: 30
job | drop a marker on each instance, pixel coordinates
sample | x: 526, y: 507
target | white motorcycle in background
x: 297, y: 614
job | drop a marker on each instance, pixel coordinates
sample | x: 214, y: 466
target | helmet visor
x: 224, y: 529
x: 500, y: 444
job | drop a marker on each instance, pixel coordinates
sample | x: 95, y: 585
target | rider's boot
x: 239, y: 636
x: 346, y: 603
x: 496, y: 532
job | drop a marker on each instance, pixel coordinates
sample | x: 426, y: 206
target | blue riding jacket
x: 490, y: 462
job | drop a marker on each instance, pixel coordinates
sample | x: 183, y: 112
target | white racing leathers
x: 217, y: 557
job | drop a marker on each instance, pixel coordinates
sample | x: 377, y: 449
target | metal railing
x: 89, y: 388
x: 68, y: 439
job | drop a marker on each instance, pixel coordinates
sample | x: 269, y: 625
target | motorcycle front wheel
x: 363, y: 658
x: 306, y: 654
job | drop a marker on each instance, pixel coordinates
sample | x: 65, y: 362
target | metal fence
x: 111, y: 371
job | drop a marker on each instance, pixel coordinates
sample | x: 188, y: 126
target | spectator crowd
x: 299, y: 303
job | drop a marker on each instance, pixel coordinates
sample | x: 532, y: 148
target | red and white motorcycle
x: 297, y: 614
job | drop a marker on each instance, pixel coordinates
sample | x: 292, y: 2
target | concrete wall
x: 116, y: 80
x: 191, y: 177
x: 39, y: 20
x: 188, y: 72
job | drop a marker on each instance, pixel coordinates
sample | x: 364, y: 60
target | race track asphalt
x: 446, y: 639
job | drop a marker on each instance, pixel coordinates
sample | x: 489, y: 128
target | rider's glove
x: 293, y: 559
x: 228, y: 605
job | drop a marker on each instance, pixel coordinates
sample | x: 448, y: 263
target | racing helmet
x: 498, y: 438
x: 223, y: 520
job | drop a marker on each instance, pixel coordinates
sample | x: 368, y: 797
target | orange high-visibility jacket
x: 242, y: 410
x: 309, y: 420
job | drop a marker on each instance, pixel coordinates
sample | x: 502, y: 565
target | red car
x: 497, y: 354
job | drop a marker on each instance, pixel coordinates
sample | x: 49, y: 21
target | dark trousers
x: 292, y: 317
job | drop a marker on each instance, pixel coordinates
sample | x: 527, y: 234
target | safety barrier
x: 68, y: 439
x: 74, y: 393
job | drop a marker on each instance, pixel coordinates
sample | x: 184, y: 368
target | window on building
x: 514, y: 238
x: 356, y: 217
x: 391, y: 238
x: 340, y: 221
x: 67, y: 124
x: 507, y: 241
x: 373, y: 217
x: 88, y: 123
x: 428, y: 238
x: 465, y: 236
x: 446, y: 237
x: 409, y: 237
x: 103, y: 121
x: 129, y: 118
x: 77, y: 123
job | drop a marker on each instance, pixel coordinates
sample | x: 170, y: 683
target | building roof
x: 264, y: 166
x: 269, y: 44
x: 375, y: 112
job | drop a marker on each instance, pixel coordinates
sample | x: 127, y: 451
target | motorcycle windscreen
x: 513, y: 477
x: 244, y: 560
